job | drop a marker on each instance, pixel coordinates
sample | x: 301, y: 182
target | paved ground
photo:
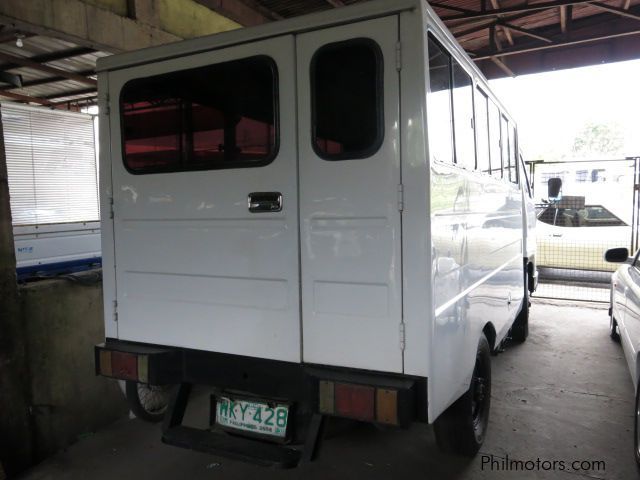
x: 565, y: 395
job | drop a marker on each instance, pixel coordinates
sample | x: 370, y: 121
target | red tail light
x: 355, y: 401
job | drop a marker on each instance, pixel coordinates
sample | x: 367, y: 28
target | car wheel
x: 148, y: 402
x: 614, y: 332
x: 461, y: 428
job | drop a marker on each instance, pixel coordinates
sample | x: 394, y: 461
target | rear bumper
x: 271, y: 379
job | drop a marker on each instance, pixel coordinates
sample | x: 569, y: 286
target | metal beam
x: 335, y: 3
x: 45, y: 81
x: 618, y: 11
x: 53, y: 56
x: 526, y: 31
x: 505, y: 30
x: 626, y: 4
x: 25, y: 98
x: 503, y: 66
x: 517, y: 9
x: 563, y: 19
x: 453, y: 8
x: 25, y: 62
x: 563, y: 43
x: 69, y: 93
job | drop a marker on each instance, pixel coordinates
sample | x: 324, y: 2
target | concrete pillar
x: 15, y: 436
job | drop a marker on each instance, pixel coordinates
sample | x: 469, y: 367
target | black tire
x: 636, y: 432
x: 520, y: 328
x: 462, y: 427
x: 614, y: 332
x: 148, y: 402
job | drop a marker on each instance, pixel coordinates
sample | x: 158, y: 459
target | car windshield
x: 589, y: 216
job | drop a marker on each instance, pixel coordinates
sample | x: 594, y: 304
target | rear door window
x: 346, y: 92
x: 213, y: 117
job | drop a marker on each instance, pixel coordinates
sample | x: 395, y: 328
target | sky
x: 552, y: 108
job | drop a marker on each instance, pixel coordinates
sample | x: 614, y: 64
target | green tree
x: 598, y: 140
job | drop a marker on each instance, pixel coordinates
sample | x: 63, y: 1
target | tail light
x: 124, y: 365
x: 360, y: 402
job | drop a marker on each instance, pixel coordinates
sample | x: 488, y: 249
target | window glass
x: 463, y: 118
x: 494, y: 140
x: 482, y: 131
x: 439, y: 104
x: 588, y: 216
x: 525, y: 176
x: 218, y: 116
x: 347, y: 95
x: 513, y: 155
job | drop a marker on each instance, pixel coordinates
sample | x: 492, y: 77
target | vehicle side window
x: 505, y: 147
x: 465, y: 147
x: 347, y: 100
x: 482, y: 131
x: 494, y: 140
x: 439, y: 115
x: 213, y: 117
x: 588, y: 216
x: 513, y: 155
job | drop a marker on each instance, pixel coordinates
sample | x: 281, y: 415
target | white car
x: 576, y: 238
x: 624, y: 319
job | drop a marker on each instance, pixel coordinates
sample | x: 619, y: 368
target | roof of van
x: 314, y: 21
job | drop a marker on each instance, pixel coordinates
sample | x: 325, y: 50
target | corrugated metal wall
x: 51, y: 162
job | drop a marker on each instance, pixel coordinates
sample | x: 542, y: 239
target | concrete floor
x: 564, y: 395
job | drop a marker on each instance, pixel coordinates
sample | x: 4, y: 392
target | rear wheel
x: 462, y: 427
x: 148, y: 402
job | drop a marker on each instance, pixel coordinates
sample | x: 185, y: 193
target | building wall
x: 63, y: 320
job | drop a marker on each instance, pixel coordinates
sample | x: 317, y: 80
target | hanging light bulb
x: 19, y: 42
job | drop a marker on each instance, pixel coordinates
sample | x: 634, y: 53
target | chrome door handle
x: 262, y: 202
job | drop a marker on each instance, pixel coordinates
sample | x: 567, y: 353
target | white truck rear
x: 277, y: 226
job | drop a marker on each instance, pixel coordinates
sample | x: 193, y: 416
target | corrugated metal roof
x: 520, y: 38
x: 47, y: 87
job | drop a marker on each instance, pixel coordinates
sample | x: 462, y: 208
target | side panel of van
x: 206, y: 220
x: 349, y: 192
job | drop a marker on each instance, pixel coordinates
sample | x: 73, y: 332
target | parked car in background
x: 573, y: 235
x: 624, y: 320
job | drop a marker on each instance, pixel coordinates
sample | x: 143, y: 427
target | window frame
x: 380, y: 99
x: 273, y: 67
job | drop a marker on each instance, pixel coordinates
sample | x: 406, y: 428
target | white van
x: 309, y: 218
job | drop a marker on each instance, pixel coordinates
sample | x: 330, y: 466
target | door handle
x: 262, y: 202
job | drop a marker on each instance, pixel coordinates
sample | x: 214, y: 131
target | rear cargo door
x: 205, y: 201
x: 348, y: 87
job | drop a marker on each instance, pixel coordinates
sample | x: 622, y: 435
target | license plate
x: 255, y: 417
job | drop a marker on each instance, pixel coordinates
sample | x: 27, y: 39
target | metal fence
x: 597, y: 209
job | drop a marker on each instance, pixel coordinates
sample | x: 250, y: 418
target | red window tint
x: 219, y: 116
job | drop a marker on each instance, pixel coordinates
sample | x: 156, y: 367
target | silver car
x: 624, y: 319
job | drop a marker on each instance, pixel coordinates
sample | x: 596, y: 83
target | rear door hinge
x: 400, y: 197
x: 111, y: 207
x: 402, y: 337
x: 115, y: 310
x: 398, y: 56
x: 107, y: 106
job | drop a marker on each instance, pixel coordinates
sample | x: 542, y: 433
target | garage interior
x: 564, y: 394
